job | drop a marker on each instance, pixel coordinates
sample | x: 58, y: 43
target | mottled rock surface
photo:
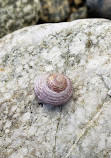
x: 78, y: 10
x: 80, y: 129
x: 77, y: 2
x: 80, y: 13
x: 18, y: 14
x: 54, y: 10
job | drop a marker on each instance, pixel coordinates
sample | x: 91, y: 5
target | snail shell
x: 53, y: 89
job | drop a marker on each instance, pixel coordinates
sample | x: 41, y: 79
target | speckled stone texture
x: 80, y: 129
x: 80, y: 13
x: 54, y: 10
x: 77, y: 2
x: 17, y: 14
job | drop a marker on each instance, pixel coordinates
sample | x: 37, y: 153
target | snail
x: 53, y: 89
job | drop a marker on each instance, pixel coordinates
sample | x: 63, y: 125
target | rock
x: 78, y: 10
x: 79, y: 129
x: 100, y: 8
x: 80, y: 13
x: 16, y: 15
x: 78, y: 2
x: 54, y: 10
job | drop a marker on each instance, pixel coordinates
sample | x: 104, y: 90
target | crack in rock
x: 89, y: 125
x: 107, y: 82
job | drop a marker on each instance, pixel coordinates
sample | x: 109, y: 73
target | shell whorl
x: 57, y: 82
x: 53, y: 89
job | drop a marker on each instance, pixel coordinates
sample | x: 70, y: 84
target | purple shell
x: 46, y: 95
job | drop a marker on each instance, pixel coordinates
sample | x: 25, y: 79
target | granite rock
x: 78, y: 2
x: 18, y: 14
x: 54, y: 10
x: 80, y: 13
x: 80, y: 129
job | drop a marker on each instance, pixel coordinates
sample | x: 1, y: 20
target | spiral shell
x: 53, y: 89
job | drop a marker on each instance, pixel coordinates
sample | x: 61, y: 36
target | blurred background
x: 16, y: 14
